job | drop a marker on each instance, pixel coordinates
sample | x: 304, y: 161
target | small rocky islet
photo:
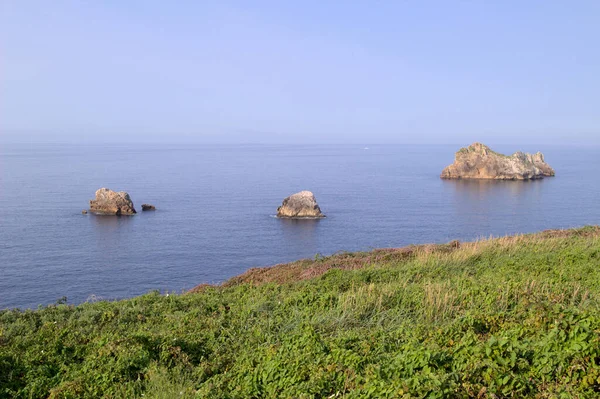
x: 302, y: 205
x: 478, y: 161
x: 109, y: 202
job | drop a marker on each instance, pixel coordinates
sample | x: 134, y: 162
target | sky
x: 312, y: 71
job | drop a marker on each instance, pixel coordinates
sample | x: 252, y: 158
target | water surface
x: 215, y: 207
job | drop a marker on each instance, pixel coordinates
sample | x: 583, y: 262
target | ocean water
x: 215, y: 207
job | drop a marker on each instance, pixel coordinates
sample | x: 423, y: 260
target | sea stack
x: 109, y: 202
x: 478, y: 161
x: 302, y: 205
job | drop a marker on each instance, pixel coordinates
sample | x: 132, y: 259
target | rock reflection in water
x: 111, y: 231
x: 487, y: 203
x: 300, y: 235
x: 484, y: 189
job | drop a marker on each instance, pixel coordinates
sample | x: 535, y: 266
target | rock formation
x: 478, y: 161
x: 300, y: 206
x: 148, y: 207
x: 109, y: 202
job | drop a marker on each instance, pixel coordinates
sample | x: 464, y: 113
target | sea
x: 216, y: 206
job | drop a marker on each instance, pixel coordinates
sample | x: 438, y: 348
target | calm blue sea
x: 216, y: 205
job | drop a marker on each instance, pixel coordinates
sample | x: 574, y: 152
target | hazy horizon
x: 228, y: 72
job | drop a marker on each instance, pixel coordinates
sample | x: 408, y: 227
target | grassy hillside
x: 509, y: 317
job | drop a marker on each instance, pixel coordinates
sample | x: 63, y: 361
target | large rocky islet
x: 478, y: 161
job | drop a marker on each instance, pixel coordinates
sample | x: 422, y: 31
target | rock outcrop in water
x: 148, y: 207
x: 109, y: 202
x: 478, y: 161
x: 301, y: 205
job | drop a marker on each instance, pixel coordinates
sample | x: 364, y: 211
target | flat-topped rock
x: 302, y: 205
x: 478, y: 161
x: 148, y: 207
x: 109, y: 202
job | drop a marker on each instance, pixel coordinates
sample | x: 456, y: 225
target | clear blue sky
x: 301, y: 71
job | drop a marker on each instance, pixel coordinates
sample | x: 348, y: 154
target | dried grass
x: 311, y: 268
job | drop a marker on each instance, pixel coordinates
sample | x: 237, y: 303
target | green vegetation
x: 509, y: 317
x: 472, y: 148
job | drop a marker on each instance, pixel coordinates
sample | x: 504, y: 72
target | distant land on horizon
x: 158, y: 139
